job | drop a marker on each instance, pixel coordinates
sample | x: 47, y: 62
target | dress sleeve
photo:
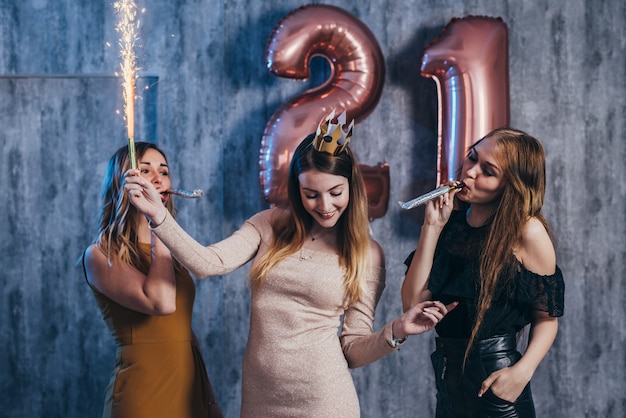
x: 216, y: 259
x: 361, y: 346
x: 543, y: 293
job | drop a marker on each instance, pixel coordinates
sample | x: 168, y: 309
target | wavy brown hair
x: 116, y: 235
x: 290, y: 231
x: 522, y: 159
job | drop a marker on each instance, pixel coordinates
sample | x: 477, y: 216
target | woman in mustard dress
x: 146, y: 300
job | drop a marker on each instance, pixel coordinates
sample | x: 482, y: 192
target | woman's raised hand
x: 144, y: 196
x: 438, y: 210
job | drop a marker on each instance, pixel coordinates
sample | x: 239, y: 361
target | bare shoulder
x: 535, y: 233
x: 537, y: 251
x: 95, y: 263
x: 94, y: 256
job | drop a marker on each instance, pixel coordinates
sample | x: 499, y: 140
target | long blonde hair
x: 290, y: 231
x: 116, y: 235
x: 522, y: 159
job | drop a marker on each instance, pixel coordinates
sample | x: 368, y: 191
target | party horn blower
x: 426, y: 197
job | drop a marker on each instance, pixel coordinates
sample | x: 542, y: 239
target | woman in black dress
x: 493, y: 254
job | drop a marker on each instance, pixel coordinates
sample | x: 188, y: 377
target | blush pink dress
x: 299, y: 350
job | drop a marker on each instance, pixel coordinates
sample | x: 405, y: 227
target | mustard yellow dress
x: 159, y: 371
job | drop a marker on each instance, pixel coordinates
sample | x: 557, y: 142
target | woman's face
x: 324, y: 196
x: 153, y: 167
x: 482, y: 175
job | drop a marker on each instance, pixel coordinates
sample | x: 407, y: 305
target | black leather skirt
x: 457, y: 388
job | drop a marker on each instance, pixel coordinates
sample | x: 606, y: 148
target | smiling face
x: 482, y: 174
x: 324, y: 196
x: 153, y: 167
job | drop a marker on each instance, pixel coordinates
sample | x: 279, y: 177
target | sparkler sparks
x: 128, y: 28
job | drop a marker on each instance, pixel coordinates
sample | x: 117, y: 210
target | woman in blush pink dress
x: 313, y: 263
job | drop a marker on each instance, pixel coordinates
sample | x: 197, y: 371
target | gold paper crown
x: 331, y: 138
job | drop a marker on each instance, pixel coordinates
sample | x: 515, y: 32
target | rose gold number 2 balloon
x: 469, y: 63
x: 355, y: 85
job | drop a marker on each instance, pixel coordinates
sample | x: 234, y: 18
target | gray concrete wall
x: 209, y: 99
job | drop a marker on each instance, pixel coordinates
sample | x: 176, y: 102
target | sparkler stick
x: 127, y: 27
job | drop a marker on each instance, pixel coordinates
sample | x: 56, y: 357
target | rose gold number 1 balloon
x: 469, y: 63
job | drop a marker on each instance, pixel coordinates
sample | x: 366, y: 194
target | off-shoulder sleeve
x: 361, y: 345
x: 216, y: 259
x: 544, y: 293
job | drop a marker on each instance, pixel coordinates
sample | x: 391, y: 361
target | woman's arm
x: 508, y: 383
x: 361, y: 345
x: 217, y: 259
x: 153, y: 293
x: 415, y: 285
x: 203, y: 261
x: 537, y: 255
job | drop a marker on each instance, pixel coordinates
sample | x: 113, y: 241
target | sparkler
x: 127, y: 27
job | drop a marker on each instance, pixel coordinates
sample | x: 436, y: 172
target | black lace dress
x: 455, y: 277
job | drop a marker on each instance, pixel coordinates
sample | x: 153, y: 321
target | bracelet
x: 152, y: 225
x: 397, y: 342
